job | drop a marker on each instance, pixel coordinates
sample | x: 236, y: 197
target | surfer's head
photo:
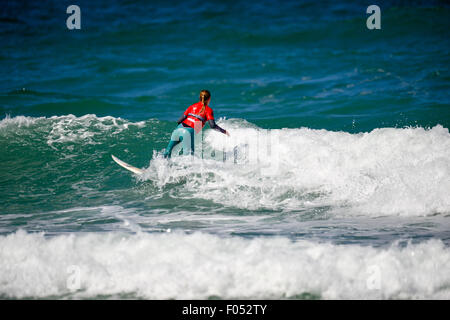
x: 205, y: 97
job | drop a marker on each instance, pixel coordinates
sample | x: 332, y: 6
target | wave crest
x: 199, y: 266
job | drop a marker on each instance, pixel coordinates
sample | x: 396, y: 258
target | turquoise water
x: 337, y: 171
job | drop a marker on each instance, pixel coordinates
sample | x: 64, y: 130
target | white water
x: 67, y: 128
x: 386, y: 172
x: 198, y: 266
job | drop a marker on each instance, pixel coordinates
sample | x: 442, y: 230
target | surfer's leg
x: 169, y: 148
x: 175, y: 139
x: 188, y: 141
x: 181, y: 134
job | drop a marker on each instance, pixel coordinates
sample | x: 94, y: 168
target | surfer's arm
x: 212, y: 123
x: 185, y: 114
x: 214, y: 126
x: 182, y: 118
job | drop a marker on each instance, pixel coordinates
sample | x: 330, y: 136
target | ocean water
x: 334, y: 183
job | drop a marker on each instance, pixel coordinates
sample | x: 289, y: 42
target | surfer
x: 193, y: 120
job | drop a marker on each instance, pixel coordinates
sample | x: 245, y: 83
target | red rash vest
x: 194, y: 109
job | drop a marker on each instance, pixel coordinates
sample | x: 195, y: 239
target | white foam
x: 197, y: 266
x: 68, y: 128
x: 18, y: 121
x: 387, y: 171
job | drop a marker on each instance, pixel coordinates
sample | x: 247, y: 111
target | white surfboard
x: 127, y: 166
